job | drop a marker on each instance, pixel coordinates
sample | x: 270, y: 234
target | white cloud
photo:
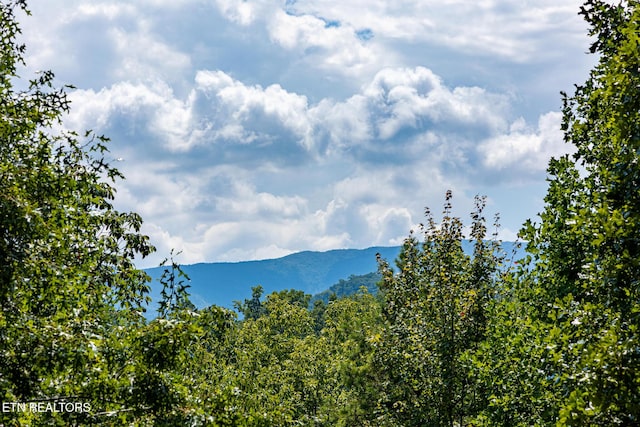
x: 245, y: 202
x: 526, y: 149
x: 143, y: 56
x: 240, y: 12
x: 244, y: 102
x: 376, y: 203
x: 391, y: 224
x: 407, y: 97
x: 137, y: 108
x: 253, y: 129
x: 338, y: 47
x: 109, y: 11
x: 219, y: 107
x: 508, y: 28
x: 343, y: 123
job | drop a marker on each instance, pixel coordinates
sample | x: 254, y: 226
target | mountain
x: 221, y: 283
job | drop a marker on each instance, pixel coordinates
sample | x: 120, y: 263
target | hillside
x: 221, y: 283
x: 350, y: 286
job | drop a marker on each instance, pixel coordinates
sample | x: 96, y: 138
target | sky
x: 253, y: 129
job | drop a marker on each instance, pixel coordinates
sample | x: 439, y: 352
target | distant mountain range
x: 222, y: 283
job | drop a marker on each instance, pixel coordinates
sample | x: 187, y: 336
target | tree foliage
x: 66, y: 254
x: 350, y: 286
x: 435, y: 316
x: 587, y: 245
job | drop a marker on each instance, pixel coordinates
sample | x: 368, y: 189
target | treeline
x: 449, y: 339
x: 349, y: 286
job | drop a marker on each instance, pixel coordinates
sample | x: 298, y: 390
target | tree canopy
x: 587, y: 245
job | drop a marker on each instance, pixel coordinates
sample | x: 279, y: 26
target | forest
x: 449, y: 339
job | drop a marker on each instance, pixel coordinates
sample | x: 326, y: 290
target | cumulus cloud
x: 334, y: 47
x: 143, y: 55
x: 396, y: 104
x: 405, y: 130
x: 243, y: 13
x: 141, y: 108
x: 417, y: 98
x: 245, y: 202
x: 525, y: 148
x: 508, y: 28
x: 251, y: 106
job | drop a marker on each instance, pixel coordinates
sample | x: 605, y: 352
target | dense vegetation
x: 450, y: 339
x: 349, y: 286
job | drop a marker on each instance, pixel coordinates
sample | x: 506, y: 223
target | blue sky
x: 253, y: 129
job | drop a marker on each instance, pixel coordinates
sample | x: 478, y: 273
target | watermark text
x: 48, y: 406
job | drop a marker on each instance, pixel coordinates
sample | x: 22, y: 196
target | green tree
x: 273, y: 363
x: 68, y: 283
x: 209, y: 376
x: 174, y: 295
x: 350, y: 286
x: 353, y: 329
x: 512, y: 362
x: 251, y: 308
x: 587, y: 244
x: 435, y: 314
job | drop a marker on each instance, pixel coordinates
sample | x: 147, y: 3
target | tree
x: 67, y: 273
x: 587, y: 245
x: 274, y: 365
x: 435, y: 317
x: 251, y: 308
x: 174, y: 295
x: 353, y: 329
x: 350, y: 286
x: 512, y: 362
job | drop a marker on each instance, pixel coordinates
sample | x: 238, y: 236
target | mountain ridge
x: 222, y: 283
